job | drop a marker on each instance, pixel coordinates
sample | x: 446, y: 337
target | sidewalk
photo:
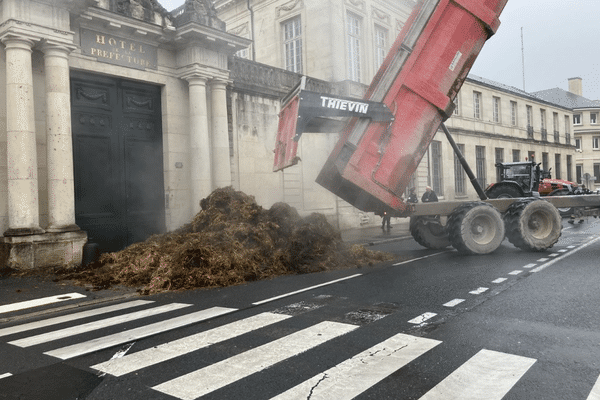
x: 371, y: 235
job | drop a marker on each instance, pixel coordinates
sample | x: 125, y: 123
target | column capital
x: 56, y: 49
x: 13, y: 41
x: 215, y: 82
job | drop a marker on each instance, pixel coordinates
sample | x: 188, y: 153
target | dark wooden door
x: 117, y: 150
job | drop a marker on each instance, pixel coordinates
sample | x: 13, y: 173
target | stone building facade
x: 114, y: 123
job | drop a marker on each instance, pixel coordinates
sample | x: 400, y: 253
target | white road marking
x: 92, y: 326
x: 170, y: 350
x: 6, y: 375
x: 554, y: 255
x: 595, y: 393
x: 488, y: 375
x: 571, y: 247
x: 422, y: 318
x: 357, y: 374
x: 499, y: 280
x: 479, y: 290
x: 131, y: 335
x: 543, y: 259
x: 515, y: 272
x: 39, y: 302
x: 529, y: 265
x: 454, y: 302
x: 119, y: 354
x: 563, y: 250
x: 421, y: 258
x: 215, y: 376
x: 544, y: 266
x: 71, y: 317
x: 305, y: 289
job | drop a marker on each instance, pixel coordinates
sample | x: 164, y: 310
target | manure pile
x: 232, y: 240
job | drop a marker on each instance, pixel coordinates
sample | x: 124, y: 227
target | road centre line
x: 554, y: 255
x: 546, y: 265
x: 305, y: 289
x: 40, y: 302
x: 529, y: 265
x: 499, y: 280
x: 6, y: 375
x: 421, y: 258
x: 543, y: 259
x: 479, y: 290
x: 515, y: 272
x: 454, y: 302
x: 422, y: 318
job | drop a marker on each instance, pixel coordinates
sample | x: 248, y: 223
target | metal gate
x: 117, y: 150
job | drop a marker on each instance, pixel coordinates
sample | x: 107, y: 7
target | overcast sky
x: 560, y: 40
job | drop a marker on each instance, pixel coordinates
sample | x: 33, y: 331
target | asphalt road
x: 430, y: 325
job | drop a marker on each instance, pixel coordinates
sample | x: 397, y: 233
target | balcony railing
x: 529, y: 132
x: 556, y: 137
x: 544, y: 135
x: 567, y: 138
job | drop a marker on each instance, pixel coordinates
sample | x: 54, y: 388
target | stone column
x: 200, y: 146
x: 61, y: 187
x: 220, y: 134
x: 23, y: 199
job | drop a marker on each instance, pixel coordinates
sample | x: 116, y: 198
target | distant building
x: 586, y: 129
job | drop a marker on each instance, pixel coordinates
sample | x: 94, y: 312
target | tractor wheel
x: 503, y: 192
x: 533, y: 224
x: 476, y: 228
x: 564, y: 211
x: 428, y: 232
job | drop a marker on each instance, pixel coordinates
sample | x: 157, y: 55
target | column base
x: 23, y: 231
x: 42, y: 251
x: 61, y: 229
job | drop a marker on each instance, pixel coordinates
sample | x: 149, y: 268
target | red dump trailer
x: 386, y: 134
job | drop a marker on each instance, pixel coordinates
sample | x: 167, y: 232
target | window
x: 597, y: 172
x: 499, y: 159
x: 292, y: 44
x: 593, y: 118
x: 579, y: 173
x: 516, y: 155
x: 242, y: 53
x: 545, y: 165
x: 513, y: 113
x: 436, y: 167
x: 576, y: 119
x: 578, y: 143
x: 354, y: 35
x: 557, y: 166
x: 555, y: 121
x: 569, y: 167
x: 459, y: 173
x: 567, y: 124
x: 543, y: 119
x: 596, y: 143
x: 529, y: 122
x: 496, y: 102
x: 381, y: 35
x: 476, y: 105
x: 480, y: 164
x: 456, y: 105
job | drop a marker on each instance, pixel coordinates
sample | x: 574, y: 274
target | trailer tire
x: 564, y: 211
x: 476, y: 228
x: 504, y: 192
x: 533, y: 224
x: 429, y: 233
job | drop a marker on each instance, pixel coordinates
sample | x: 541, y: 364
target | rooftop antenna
x: 523, y: 58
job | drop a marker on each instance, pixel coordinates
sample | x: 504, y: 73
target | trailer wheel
x: 476, y: 228
x: 533, y: 224
x: 564, y: 211
x: 428, y: 232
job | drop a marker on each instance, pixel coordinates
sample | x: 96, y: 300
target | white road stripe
x: 454, y: 302
x: 479, y: 290
x: 595, y: 393
x: 515, y: 272
x: 554, y: 255
x: 563, y: 250
x: 92, y: 326
x: 543, y: 259
x: 167, y: 351
x: 499, y: 280
x: 529, y: 265
x: 215, y: 376
x: 352, y: 377
x: 544, y: 266
x: 421, y: 258
x: 488, y: 375
x: 571, y: 247
x: 71, y: 317
x: 6, y: 375
x: 422, y: 318
x: 39, y: 302
x: 305, y: 289
x: 137, y: 333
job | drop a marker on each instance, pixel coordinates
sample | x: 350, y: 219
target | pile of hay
x: 232, y: 240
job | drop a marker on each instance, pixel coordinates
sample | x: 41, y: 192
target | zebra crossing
x: 486, y: 375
